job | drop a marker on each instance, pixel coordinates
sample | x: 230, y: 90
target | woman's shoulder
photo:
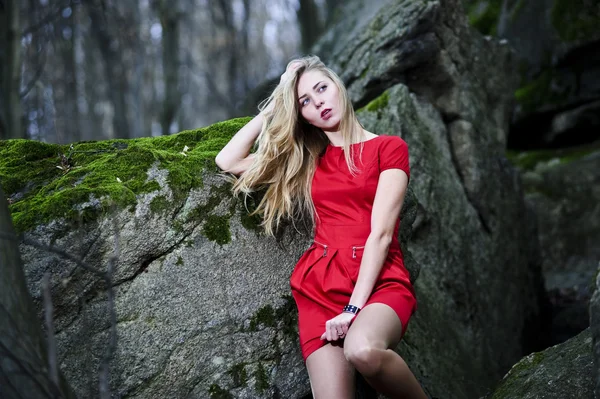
x: 385, y: 140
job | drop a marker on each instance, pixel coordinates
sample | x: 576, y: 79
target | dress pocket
x: 352, y: 262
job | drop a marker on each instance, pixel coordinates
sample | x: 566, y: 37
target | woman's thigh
x: 331, y: 375
x: 376, y: 326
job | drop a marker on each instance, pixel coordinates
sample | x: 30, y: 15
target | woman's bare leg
x: 369, y: 348
x: 331, y: 376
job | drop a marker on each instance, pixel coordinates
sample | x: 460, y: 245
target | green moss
x: 239, y: 375
x: 262, y: 380
x: 179, y: 261
x: 528, y: 160
x: 363, y: 74
x: 576, y: 19
x: 540, y: 91
x: 216, y: 229
x: 249, y: 221
x: 216, y: 392
x: 517, y: 10
x: 377, y: 104
x: 516, y: 380
x: 284, y: 317
x: 112, y: 172
x: 484, y: 16
x: 160, y: 203
x: 264, y: 316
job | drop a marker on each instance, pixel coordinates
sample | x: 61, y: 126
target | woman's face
x: 318, y: 99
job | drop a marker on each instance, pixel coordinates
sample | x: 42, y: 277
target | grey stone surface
x: 563, y: 371
x: 595, y: 332
x: 468, y: 271
x: 196, y: 318
x: 565, y: 194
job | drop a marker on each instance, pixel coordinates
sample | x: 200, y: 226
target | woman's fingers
x: 335, y: 329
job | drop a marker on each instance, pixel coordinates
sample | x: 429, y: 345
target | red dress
x: 325, y: 275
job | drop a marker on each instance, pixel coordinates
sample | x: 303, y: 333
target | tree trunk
x: 310, y: 25
x: 113, y: 67
x: 169, y: 19
x: 10, y: 118
x: 64, y: 80
x: 23, y: 357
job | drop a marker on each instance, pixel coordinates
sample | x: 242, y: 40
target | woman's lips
x: 326, y: 114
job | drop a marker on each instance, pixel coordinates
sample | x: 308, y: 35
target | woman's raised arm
x: 235, y: 157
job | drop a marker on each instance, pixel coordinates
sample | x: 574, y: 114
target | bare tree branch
x: 52, y: 249
x: 36, y: 76
x: 29, y: 372
x: 49, y: 18
x: 112, y: 342
x: 48, y: 318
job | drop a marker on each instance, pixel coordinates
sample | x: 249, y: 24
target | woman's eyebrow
x: 314, y: 88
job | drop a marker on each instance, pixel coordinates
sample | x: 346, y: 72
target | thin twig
x: 112, y: 342
x: 37, y: 75
x: 50, y: 17
x: 48, y: 318
x: 53, y: 249
x: 29, y: 373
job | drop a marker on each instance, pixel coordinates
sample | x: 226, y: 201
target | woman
x: 317, y: 163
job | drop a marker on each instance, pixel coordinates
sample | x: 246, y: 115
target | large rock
x: 202, y: 298
x: 595, y: 331
x: 563, y: 371
x: 563, y: 189
x: 470, y: 270
x: 557, y: 43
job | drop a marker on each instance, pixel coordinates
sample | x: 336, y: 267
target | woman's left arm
x: 389, y: 197
x: 391, y: 189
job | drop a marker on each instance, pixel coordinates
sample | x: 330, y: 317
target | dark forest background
x: 97, y: 69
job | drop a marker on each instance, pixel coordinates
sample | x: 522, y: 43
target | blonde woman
x: 315, y: 161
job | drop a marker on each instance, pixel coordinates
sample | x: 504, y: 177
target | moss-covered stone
x: 284, y: 317
x: 528, y: 160
x: 377, y: 104
x: 576, y: 19
x: 542, y: 90
x: 48, y: 181
x: 216, y: 392
x: 179, y: 261
x: 262, y: 379
x: 239, y: 375
x: 484, y: 15
x: 160, y: 203
x: 249, y: 220
x: 216, y: 229
x: 264, y: 316
x: 522, y: 368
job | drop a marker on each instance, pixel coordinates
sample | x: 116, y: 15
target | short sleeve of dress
x: 393, y: 154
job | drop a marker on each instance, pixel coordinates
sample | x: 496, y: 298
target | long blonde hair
x: 288, y: 149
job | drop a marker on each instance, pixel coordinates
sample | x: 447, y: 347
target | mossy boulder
x: 563, y: 371
x: 202, y: 297
x: 556, y: 43
x: 80, y: 182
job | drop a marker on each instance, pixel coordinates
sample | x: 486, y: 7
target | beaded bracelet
x: 351, y: 309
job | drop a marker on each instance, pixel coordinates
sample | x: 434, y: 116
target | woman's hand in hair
x: 289, y: 72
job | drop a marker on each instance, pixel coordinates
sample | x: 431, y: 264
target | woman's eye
x: 322, y: 88
x: 304, y: 102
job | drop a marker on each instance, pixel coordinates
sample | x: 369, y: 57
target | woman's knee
x: 365, y: 356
